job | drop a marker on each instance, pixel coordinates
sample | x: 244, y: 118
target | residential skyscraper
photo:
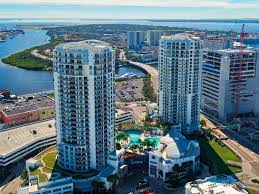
x: 85, y: 104
x: 180, y: 64
x: 219, y: 83
x: 153, y: 37
x: 135, y: 40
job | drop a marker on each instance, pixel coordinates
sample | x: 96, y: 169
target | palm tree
x: 126, y: 136
x: 203, y: 123
x: 147, y: 143
x: 113, y: 179
x: 152, y: 144
x: 140, y: 142
x: 123, y: 136
x: 134, y: 147
x: 98, y: 185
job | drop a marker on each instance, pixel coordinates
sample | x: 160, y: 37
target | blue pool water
x: 135, y: 135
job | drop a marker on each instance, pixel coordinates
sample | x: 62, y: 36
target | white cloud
x: 153, y: 3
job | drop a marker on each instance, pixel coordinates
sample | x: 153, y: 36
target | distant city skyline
x: 130, y: 9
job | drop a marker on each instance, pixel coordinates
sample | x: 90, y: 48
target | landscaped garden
x: 251, y: 191
x: 49, y: 169
x: 217, y: 155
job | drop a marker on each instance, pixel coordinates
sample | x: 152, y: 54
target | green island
x: 26, y: 60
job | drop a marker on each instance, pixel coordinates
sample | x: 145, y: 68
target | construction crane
x: 243, y: 34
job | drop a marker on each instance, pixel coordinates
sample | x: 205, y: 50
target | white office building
x: 153, y: 37
x: 174, y: 154
x: 135, y: 40
x: 180, y: 66
x: 215, y: 184
x: 85, y: 104
x: 219, y: 83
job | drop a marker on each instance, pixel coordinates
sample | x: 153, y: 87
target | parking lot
x: 129, y: 90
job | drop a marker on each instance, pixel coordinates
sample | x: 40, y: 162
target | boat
x: 126, y: 75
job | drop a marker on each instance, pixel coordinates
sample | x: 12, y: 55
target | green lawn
x: 251, y: 191
x: 216, y: 156
x: 224, y: 152
x: 42, y: 177
x: 47, y: 170
x: 50, y: 159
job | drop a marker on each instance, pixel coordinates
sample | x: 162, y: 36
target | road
x: 38, y: 55
x: 10, y: 185
x: 151, y: 70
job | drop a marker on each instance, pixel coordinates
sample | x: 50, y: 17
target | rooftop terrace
x: 86, y: 44
x: 216, y: 184
x: 49, y: 169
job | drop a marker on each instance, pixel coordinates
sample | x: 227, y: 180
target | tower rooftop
x: 180, y: 36
x: 86, y: 44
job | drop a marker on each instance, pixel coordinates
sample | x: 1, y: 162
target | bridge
x: 149, y: 69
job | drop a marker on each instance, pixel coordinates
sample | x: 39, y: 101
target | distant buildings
x: 135, y: 40
x: 174, y: 154
x: 219, y: 83
x: 146, y: 56
x: 215, y: 184
x: 180, y: 66
x: 26, y: 109
x: 153, y: 37
x: 85, y: 104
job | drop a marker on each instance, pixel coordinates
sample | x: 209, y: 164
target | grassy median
x: 216, y: 156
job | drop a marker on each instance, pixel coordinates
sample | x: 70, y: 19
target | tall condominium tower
x: 153, y: 37
x: 180, y: 63
x: 85, y: 110
x: 219, y: 83
x: 135, y: 40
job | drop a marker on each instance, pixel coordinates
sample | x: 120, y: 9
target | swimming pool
x: 135, y: 135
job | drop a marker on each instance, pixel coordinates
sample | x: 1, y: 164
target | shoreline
x: 25, y: 60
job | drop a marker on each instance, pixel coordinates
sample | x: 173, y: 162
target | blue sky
x: 129, y: 9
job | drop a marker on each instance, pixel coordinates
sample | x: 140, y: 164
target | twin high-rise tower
x: 85, y: 104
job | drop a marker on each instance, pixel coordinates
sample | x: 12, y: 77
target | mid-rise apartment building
x: 219, y: 83
x: 85, y: 104
x: 180, y: 66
